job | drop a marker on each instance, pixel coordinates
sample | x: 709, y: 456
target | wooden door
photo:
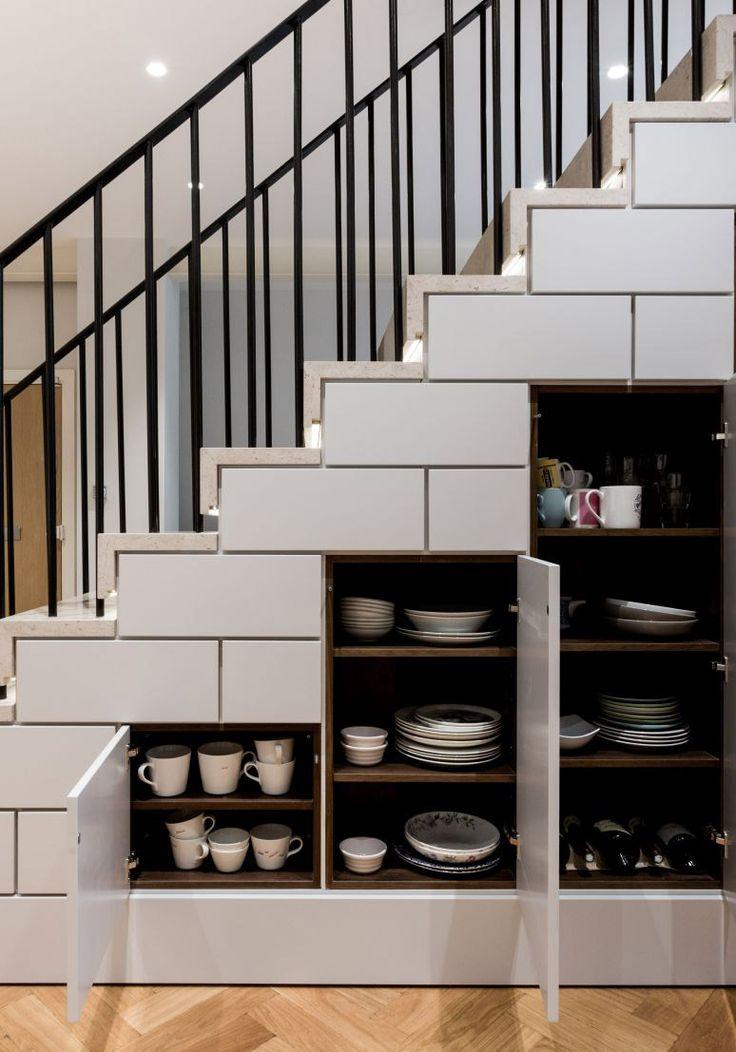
x: 538, y: 768
x: 29, y: 509
x: 98, y: 844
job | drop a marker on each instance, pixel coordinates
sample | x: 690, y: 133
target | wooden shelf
x: 413, y: 880
x: 641, y: 880
x: 212, y: 880
x: 240, y: 801
x: 620, y: 758
x: 583, y: 645
x: 398, y: 771
x: 404, y: 650
x: 567, y: 531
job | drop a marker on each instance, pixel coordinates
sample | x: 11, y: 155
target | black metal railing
x: 403, y: 218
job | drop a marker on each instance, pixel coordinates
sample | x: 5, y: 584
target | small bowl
x: 576, y: 733
x: 363, y: 737
x: 364, y: 756
x: 363, y: 854
x: 454, y: 623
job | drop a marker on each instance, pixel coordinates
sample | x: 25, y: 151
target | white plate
x: 412, y: 730
x: 450, y: 610
x: 456, y: 715
x: 446, y: 763
x: 453, y: 623
x: 451, y: 754
x: 639, y: 699
x: 647, y: 611
x: 451, y: 836
x: 446, y: 640
x: 652, y: 628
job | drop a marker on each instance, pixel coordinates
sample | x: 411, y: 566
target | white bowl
x: 357, y: 737
x: 363, y: 854
x: 364, y: 757
x: 451, y: 836
x: 428, y: 622
x: 575, y: 732
x: 631, y: 611
x: 653, y: 628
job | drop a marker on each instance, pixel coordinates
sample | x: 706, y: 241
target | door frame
x: 66, y: 378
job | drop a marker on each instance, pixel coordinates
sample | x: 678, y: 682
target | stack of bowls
x: 449, y: 625
x: 647, y: 619
x: 365, y: 618
x: 363, y: 854
x: 364, y: 746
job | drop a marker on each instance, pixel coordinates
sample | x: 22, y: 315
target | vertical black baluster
x: 338, y: 248
x: 226, y: 365
x: 409, y: 99
x: 517, y: 87
x: 2, y: 450
x: 483, y: 79
x: 372, y: 231
x: 83, y: 465
x: 151, y: 307
x: 648, y: 51
x: 630, y: 51
x: 49, y: 422
x: 395, y: 178
x: 448, y: 51
x: 696, y: 30
x: 496, y: 96
x: 250, y: 260
x: 195, y: 317
x: 443, y: 152
x: 594, y: 103
x: 546, y: 97
x: 9, y: 518
x: 664, y: 64
x: 559, y: 21
x: 298, y: 244
x: 350, y: 178
x: 120, y: 419
x: 99, y: 350
x: 267, y: 318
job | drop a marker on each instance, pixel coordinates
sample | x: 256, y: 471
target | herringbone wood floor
x: 343, y: 1019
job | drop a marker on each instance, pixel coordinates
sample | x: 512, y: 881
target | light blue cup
x: 551, y: 506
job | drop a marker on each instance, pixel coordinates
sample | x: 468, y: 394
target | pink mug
x: 581, y: 506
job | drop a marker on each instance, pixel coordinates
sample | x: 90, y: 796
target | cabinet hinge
x: 721, y: 666
x: 723, y: 436
x: 131, y: 752
x: 131, y: 862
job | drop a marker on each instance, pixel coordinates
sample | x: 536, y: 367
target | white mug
x: 189, y: 823
x: 578, y: 513
x: 273, y: 778
x: 169, y: 765
x: 189, y: 852
x: 620, y: 506
x: 272, y: 845
x: 274, y: 750
x: 228, y: 848
x: 219, y: 767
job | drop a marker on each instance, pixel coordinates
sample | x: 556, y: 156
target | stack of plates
x: 642, y: 722
x: 448, y: 625
x: 367, y: 619
x: 645, y: 619
x: 450, y: 843
x: 448, y: 735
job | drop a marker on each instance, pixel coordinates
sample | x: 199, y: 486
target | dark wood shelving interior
x: 394, y: 770
x: 406, y: 650
x: 574, y: 644
x: 641, y: 880
x: 402, y: 877
x: 659, y: 532
x: 243, y: 800
x: 613, y: 759
x: 211, y: 880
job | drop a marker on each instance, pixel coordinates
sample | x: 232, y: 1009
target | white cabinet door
x: 729, y: 718
x: 538, y: 768
x: 98, y: 844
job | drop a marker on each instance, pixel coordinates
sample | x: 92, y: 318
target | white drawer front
x: 87, y: 680
x: 670, y: 166
x: 222, y: 595
x: 323, y: 510
x: 683, y: 338
x: 39, y: 765
x: 385, y: 423
x: 42, y: 851
x: 529, y: 337
x: 271, y: 681
x: 479, y: 510
x: 631, y: 250
x: 7, y: 852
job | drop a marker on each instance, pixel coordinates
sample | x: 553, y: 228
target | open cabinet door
x: 729, y: 708
x: 538, y: 768
x: 98, y: 816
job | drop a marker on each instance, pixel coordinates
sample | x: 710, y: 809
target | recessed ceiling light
x: 156, y: 69
x: 191, y: 186
x: 617, y: 72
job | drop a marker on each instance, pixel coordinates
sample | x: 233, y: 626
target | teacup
x: 189, y: 823
x: 169, y: 767
x: 219, y: 767
x: 228, y: 848
x: 273, y: 778
x: 272, y: 845
x: 189, y: 851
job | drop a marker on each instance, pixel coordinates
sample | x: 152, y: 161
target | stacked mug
x: 188, y: 832
x: 271, y: 765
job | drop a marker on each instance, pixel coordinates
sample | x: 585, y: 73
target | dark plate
x: 446, y: 869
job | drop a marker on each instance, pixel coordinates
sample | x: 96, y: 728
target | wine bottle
x: 616, y: 849
x: 564, y: 853
x: 680, y: 847
x: 573, y: 830
x: 643, y: 836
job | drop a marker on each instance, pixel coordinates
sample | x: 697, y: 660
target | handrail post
x: 250, y: 259
x: 195, y: 318
x: 350, y: 180
x: 154, y: 524
x: 648, y: 51
x: 226, y: 364
x: 398, y: 299
x: 99, y: 378
x: 665, y: 31
x: 83, y: 465
x: 559, y: 65
x: 298, y: 242
x: 9, y: 517
x: 546, y: 67
x: 120, y: 414
x: 483, y: 111
x: 496, y: 110
x: 267, y: 317
x: 2, y: 443
x: 339, y: 323
x: 372, y: 324
x: 594, y: 101
x: 49, y: 423
x: 448, y: 157
x: 697, y: 14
